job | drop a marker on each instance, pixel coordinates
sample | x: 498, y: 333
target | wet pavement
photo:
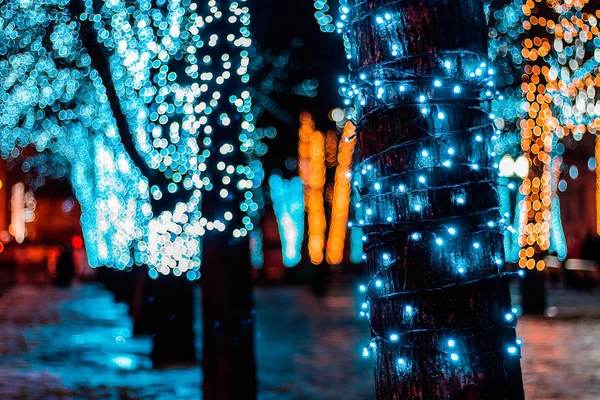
x: 77, y: 344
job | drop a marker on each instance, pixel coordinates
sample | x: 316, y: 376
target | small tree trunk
x: 437, y: 280
x: 533, y: 292
x: 173, y: 315
x: 228, y: 320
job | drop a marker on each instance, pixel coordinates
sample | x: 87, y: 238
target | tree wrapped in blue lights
x: 149, y: 104
x: 288, y: 204
x: 54, y: 101
x: 438, y: 304
x: 136, y: 123
x: 506, y: 32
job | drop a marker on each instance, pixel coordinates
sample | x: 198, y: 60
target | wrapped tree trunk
x: 438, y: 299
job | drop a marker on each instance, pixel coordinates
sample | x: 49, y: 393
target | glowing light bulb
x: 521, y: 167
x: 451, y: 343
x: 507, y: 166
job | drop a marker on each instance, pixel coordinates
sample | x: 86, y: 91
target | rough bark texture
x: 471, y: 312
x: 228, y: 320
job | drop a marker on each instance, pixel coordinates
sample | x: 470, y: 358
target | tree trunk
x: 438, y: 298
x: 173, y: 317
x: 228, y: 320
x: 533, y: 292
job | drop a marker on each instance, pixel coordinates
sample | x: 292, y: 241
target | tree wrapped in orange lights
x: 316, y: 153
x: 341, y: 196
x: 315, y: 205
x: 561, y: 75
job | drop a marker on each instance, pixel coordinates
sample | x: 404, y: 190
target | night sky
x: 276, y: 24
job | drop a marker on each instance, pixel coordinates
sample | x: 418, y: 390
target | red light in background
x: 77, y: 242
x: 1, y: 247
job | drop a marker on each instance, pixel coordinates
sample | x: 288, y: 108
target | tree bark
x: 173, y: 317
x: 228, y: 320
x: 452, y: 283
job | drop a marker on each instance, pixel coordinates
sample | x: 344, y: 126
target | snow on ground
x: 76, y: 344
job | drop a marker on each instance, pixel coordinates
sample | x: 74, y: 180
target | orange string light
x: 331, y: 148
x: 307, y: 127
x: 341, y: 196
x: 315, y: 204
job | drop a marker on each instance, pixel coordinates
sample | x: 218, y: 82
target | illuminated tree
x: 438, y: 302
x: 153, y: 115
x: 559, y: 86
x: 505, y: 33
x: 54, y: 101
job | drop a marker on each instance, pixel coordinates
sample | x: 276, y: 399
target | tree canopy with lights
x: 171, y: 162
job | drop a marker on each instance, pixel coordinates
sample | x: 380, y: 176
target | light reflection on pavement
x: 77, y: 344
